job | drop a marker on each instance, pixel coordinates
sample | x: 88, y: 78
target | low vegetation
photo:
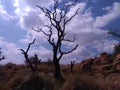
x: 97, y: 77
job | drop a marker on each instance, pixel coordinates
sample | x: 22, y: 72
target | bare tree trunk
x: 29, y: 63
x: 57, y: 73
x: 72, y: 65
x: 25, y: 53
x: 60, y: 30
x: 36, y: 65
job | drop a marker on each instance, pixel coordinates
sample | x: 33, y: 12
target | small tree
x: 116, y: 49
x: 115, y: 34
x: 72, y: 65
x: 34, y: 60
x: 25, y: 53
x: 1, y: 56
x: 60, y: 29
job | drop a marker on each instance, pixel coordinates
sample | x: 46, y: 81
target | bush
x: 36, y: 83
x: 49, y: 62
x: 14, y: 83
x: 116, y: 49
x: 77, y: 82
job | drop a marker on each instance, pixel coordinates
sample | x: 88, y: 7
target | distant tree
x: 115, y: 34
x: 58, y: 27
x: 49, y: 62
x: 34, y: 60
x: 25, y: 53
x: 116, y: 49
x: 72, y: 65
x: 1, y: 56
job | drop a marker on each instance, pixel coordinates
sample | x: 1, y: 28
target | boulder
x: 86, y: 65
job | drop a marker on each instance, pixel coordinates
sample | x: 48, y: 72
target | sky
x: 90, y: 25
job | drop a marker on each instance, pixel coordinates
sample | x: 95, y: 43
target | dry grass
x: 80, y: 82
x: 19, y: 77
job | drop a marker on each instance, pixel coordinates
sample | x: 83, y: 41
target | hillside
x: 99, y: 73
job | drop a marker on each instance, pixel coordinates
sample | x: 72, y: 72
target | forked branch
x: 25, y: 53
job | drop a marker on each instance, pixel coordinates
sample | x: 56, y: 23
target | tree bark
x: 25, y: 53
x: 29, y: 63
x: 60, y: 31
x: 57, y: 73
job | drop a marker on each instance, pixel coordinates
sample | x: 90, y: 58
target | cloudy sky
x: 90, y: 25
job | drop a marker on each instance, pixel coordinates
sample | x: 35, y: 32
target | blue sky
x: 91, y: 24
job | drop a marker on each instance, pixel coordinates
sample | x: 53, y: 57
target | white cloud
x: 82, y: 26
x: 4, y: 14
x: 29, y: 15
x: 74, y: 8
x: 113, y: 13
x: 105, y: 45
x: 32, y: 19
x: 43, y: 53
x: 87, y: 29
x: 43, y: 3
x: 11, y: 52
x: 89, y: 34
x: 79, y: 54
x: 21, y: 7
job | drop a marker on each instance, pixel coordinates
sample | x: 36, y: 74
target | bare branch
x: 67, y: 7
x: 48, y: 11
x: 1, y: 58
x: 50, y: 39
x: 43, y: 10
x: 30, y: 45
x: 70, y: 50
x: 40, y: 30
x: 61, y: 54
x: 70, y: 40
x: 55, y: 8
x: 115, y: 34
x: 60, y: 30
x: 26, y: 51
x: 23, y: 51
x: 68, y: 20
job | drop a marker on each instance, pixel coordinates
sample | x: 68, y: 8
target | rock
x: 117, y: 67
x: 104, y: 62
x: 104, y: 53
x: 106, y: 67
x: 118, y: 57
x: 86, y: 64
x: 116, y: 63
x: 97, y: 61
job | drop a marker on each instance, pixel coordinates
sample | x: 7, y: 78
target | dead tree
x: 116, y: 34
x: 1, y: 56
x: 34, y: 60
x: 58, y: 26
x: 25, y: 53
x: 72, y: 65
